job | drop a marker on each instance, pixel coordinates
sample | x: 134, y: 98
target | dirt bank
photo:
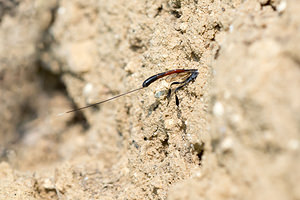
x: 234, y: 135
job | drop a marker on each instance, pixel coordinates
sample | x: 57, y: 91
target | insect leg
x: 185, y: 82
x: 192, y: 77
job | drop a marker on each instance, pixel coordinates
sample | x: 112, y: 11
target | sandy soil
x: 235, y: 134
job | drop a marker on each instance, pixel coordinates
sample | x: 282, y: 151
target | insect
x: 192, y: 75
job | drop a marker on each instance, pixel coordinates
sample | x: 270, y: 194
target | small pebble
x: 88, y: 88
x: 218, y: 109
x: 281, y: 7
x: 227, y: 144
x: 231, y: 28
x: 61, y: 10
x: 169, y: 123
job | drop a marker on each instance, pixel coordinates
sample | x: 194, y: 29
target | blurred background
x: 235, y: 135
